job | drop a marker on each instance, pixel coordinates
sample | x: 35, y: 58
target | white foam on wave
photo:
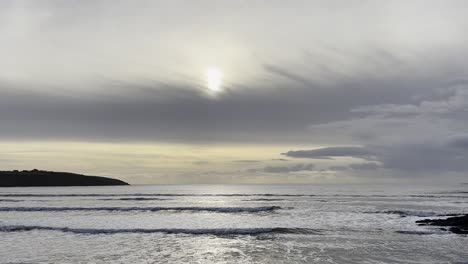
x: 404, y: 213
x: 150, y: 209
x: 152, y: 194
x: 218, y: 231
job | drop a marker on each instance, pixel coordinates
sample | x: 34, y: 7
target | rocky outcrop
x: 457, y: 224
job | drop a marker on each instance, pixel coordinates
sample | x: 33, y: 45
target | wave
x: 150, y: 195
x: 453, y: 192
x: 421, y: 233
x: 265, y: 196
x: 133, y: 199
x: 263, y: 200
x: 102, y: 199
x: 437, y: 196
x: 150, y: 209
x: 404, y: 213
x: 218, y: 231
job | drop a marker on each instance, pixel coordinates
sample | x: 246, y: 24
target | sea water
x: 230, y: 224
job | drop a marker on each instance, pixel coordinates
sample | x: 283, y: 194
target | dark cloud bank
x: 450, y: 155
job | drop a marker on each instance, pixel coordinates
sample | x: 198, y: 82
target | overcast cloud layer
x: 380, y: 88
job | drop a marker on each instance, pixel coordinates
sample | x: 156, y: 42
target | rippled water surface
x: 230, y: 224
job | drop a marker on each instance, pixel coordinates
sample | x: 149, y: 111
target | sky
x: 215, y: 91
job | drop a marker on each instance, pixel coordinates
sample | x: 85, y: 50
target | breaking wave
x: 149, y: 195
x: 150, y: 209
x: 263, y: 200
x: 421, y: 233
x: 9, y: 200
x: 133, y: 199
x: 404, y: 213
x: 218, y: 231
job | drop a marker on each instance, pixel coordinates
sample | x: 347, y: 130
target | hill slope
x: 50, y: 178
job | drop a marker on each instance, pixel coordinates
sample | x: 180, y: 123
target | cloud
x: 60, y: 78
x: 282, y: 85
x: 426, y: 138
x: 338, y: 168
x: 247, y: 161
x: 150, y: 111
x: 201, y: 162
x: 65, y: 45
x: 456, y: 101
x: 285, y: 169
x: 421, y: 158
x: 329, y: 152
x: 420, y: 155
x: 431, y: 156
x: 288, y: 75
x: 364, y: 166
x: 395, y: 94
x: 460, y: 142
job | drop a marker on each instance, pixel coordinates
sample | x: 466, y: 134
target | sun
x: 213, y: 79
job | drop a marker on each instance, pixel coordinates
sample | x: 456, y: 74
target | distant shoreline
x: 40, y: 178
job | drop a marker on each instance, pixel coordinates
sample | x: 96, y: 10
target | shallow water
x: 230, y: 224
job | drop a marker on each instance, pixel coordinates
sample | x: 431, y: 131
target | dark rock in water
x: 50, y: 178
x: 457, y: 224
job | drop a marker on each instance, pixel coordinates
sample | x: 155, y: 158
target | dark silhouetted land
x: 49, y: 178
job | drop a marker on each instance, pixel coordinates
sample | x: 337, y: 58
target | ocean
x: 230, y: 224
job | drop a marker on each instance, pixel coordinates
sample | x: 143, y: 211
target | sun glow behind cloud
x: 214, y: 79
